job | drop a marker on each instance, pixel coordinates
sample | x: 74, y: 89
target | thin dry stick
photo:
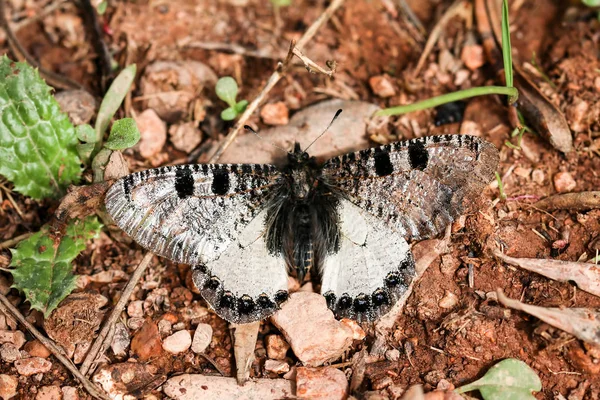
x: 310, y: 64
x: 275, y: 77
x: 233, y: 48
x: 7, y: 308
x: 11, y: 242
x: 99, y: 343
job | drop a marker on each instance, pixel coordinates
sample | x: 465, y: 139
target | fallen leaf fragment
x: 244, y: 337
x: 583, y: 323
x: 585, y: 275
x: 570, y: 201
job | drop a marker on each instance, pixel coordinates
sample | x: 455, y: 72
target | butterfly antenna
x: 248, y: 128
x: 337, y: 114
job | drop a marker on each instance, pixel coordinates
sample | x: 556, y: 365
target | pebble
x: 15, y: 337
x: 196, y: 386
x: 392, y: 355
x: 564, y: 182
x: 8, y: 386
x: 275, y: 113
x: 9, y: 353
x: 33, y: 365
x: 178, y: 342
x: 473, y: 57
x: 146, y: 342
x: 35, y: 348
x: 461, y: 76
x: 185, y: 137
x: 277, y: 347
x: 537, y: 175
x: 50, y: 392
x: 449, y: 300
x: 202, y: 338
x: 357, y: 332
x: 79, y: 105
x: 121, y: 340
x: 468, y: 127
x: 382, y: 382
x: 522, y: 172
x: 449, y: 264
x: 277, y: 366
x: 117, y: 379
x: 577, y: 114
x: 4, y: 285
x: 153, y: 133
x: 324, y: 339
x: 321, y: 383
x: 382, y: 86
x: 70, y: 393
x: 165, y: 327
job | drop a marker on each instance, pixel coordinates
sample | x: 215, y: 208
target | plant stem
x: 449, y: 98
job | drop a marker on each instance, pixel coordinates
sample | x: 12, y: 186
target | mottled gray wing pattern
x: 418, y: 186
x: 371, y: 269
x: 207, y: 216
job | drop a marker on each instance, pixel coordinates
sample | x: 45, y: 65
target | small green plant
x: 508, y: 379
x: 500, y: 186
x: 281, y: 3
x: 227, y: 90
x: 42, y: 264
x: 507, y: 90
x: 41, y: 154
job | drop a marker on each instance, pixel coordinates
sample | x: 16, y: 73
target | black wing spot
x: 330, y: 298
x: 220, y: 183
x: 127, y: 185
x: 417, y: 155
x: 264, y: 302
x: 362, y: 303
x: 246, y: 304
x: 383, y: 165
x: 281, y: 296
x: 213, y: 283
x: 393, y: 279
x: 380, y: 297
x: 345, y: 302
x: 227, y: 300
x: 184, y: 182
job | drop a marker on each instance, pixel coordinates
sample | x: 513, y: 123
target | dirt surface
x: 366, y: 39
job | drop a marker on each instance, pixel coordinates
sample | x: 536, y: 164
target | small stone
x: 135, y: 323
x: 146, y: 342
x: 577, y: 115
x: 49, y: 393
x: 117, y: 167
x: 357, y: 332
x: 277, y: 347
x: 15, y: 337
x: 449, y: 300
x: 35, y: 348
x: 392, y: 355
x: 33, y: 365
x: 117, y: 379
x: 196, y: 386
x: 70, y: 393
x: 324, y: 339
x: 522, y: 172
x: 277, y: 366
x: 382, y: 382
x: 275, y: 113
x: 537, y: 175
x: 135, y: 309
x: 564, y: 182
x: 449, y: 264
x: 9, y: 353
x: 79, y: 105
x: 153, y: 133
x: 165, y: 327
x: 8, y: 386
x: 121, y: 340
x: 473, y: 57
x: 202, y: 338
x: 178, y: 342
x: 321, y: 383
x: 185, y: 137
x: 382, y: 86
x: 461, y: 76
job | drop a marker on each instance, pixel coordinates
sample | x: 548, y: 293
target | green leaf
x: 85, y: 133
x: 37, y: 141
x: 42, y: 267
x: 101, y: 8
x: 508, y: 379
x: 506, y: 48
x: 112, y: 101
x: 240, y: 106
x: 228, y: 114
x: 123, y: 134
x: 281, y: 3
x: 85, y: 151
x: 591, y: 3
x: 227, y: 90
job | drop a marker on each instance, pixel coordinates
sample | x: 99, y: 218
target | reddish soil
x: 366, y: 40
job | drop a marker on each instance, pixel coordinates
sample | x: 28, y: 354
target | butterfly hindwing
x: 370, y: 270
x: 417, y: 186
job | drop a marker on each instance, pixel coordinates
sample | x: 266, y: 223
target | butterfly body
x: 244, y: 227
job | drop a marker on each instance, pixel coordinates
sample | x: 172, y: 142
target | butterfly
x: 245, y: 227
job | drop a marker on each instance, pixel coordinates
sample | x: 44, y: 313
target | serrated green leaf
x: 240, y: 106
x: 85, y: 133
x: 228, y: 114
x: 37, y: 141
x: 227, y: 90
x: 112, y: 100
x: 123, y: 134
x: 508, y: 379
x: 42, y: 268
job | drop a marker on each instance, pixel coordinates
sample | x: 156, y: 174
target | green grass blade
x: 506, y: 47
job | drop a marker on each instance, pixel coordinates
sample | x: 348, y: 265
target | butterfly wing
x: 208, y: 216
x: 417, y: 186
x: 371, y: 269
